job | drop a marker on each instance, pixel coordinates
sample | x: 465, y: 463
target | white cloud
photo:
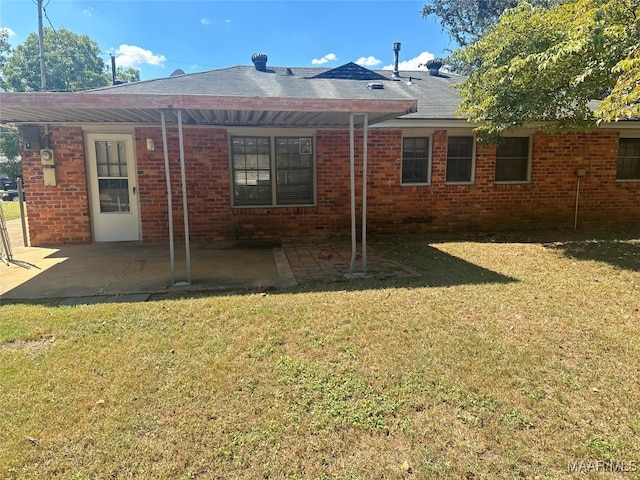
x: 329, y: 57
x: 206, y: 22
x: 369, y: 61
x: 416, y: 63
x: 132, y: 56
x: 10, y: 33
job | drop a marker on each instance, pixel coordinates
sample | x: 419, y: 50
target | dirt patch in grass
x: 29, y: 346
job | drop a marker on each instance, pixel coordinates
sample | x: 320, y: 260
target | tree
x: 10, y: 149
x: 128, y: 75
x: 548, y: 65
x: 5, y: 49
x: 624, y: 100
x: 467, y: 20
x: 72, y: 63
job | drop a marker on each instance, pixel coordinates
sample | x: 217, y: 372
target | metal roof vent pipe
x: 396, y: 52
x: 434, y: 67
x: 260, y: 61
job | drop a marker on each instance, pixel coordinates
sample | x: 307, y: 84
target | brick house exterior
x: 545, y: 197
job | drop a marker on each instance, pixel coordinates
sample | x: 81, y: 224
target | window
x: 113, y: 182
x: 628, y: 159
x: 272, y: 170
x: 512, y: 160
x: 416, y: 156
x: 460, y: 159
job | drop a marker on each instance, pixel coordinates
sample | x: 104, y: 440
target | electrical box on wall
x: 48, y: 159
x: 30, y: 136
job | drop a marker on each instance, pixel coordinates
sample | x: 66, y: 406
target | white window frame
x: 472, y: 179
x: 429, y: 137
x: 529, y: 162
x: 272, y: 134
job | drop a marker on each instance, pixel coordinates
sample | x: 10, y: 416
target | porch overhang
x: 144, y: 109
x: 90, y: 108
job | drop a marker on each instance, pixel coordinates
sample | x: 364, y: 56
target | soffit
x: 20, y: 108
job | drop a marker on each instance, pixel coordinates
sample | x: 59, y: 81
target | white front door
x: 112, y: 187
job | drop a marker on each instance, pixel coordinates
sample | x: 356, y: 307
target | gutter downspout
x: 165, y: 149
x: 581, y: 172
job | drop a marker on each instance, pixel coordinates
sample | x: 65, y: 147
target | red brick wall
x: 58, y: 214
x: 61, y: 214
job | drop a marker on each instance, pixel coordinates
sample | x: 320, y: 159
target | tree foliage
x: 127, y: 75
x: 624, y: 100
x: 467, y: 20
x: 548, y: 65
x: 5, y: 49
x: 72, y: 63
x: 10, y: 148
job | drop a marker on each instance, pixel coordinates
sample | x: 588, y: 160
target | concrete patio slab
x: 132, y: 271
x: 117, y: 269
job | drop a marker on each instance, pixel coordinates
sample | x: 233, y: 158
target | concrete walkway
x: 133, y: 271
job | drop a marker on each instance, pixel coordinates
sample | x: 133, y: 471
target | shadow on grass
x: 439, y: 269
x: 623, y: 254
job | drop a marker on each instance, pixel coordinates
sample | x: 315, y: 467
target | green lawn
x: 11, y: 210
x: 502, y: 360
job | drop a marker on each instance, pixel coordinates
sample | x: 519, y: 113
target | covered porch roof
x: 44, y: 107
x: 197, y: 109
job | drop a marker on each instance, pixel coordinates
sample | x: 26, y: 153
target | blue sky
x: 158, y: 37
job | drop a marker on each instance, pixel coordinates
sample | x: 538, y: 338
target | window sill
x: 627, y: 180
x: 416, y: 184
x: 459, y: 183
x: 304, y: 205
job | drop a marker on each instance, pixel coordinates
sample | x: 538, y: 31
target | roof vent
x: 289, y: 72
x: 260, y: 61
x: 177, y: 72
x: 434, y: 67
x: 396, y: 52
x: 375, y: 86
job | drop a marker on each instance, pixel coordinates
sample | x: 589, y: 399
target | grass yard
x: 502, y: 360
x: 11, y: 210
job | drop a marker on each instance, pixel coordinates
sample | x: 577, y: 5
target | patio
x: 117, y: 272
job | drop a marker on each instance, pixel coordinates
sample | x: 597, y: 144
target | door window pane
x: 113, y: 181
x: 114, y: 195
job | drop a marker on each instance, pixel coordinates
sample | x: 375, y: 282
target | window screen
x: 512, y: 160
x: 459, y: 159
x: 415, y: 160
x: 629, y: 159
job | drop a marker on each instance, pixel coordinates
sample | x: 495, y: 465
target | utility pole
x: 43, y: 75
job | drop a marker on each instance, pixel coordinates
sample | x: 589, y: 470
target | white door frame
x: 123, y: 222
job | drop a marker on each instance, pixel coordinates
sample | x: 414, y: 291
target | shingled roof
x: 350, y: 71
x: 436, y: 99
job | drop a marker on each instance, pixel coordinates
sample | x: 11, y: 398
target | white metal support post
x: 353, y: 194
x: 187, y: 248
x: 165, y: 149
x: 365, y: 133
x: 352, y: 176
